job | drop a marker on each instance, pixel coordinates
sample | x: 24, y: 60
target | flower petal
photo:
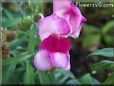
x: 60, y: 59
x: 76, y: 20
x: 56, y: 43
x: 77, y: 32
x: 71, y: 14
x: 52, y: 24
x: 60, y: 7
x: 42, y: 60
x: 68, y: 67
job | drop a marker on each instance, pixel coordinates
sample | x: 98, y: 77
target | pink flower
x: 65, y: 20
x: 53, y: 52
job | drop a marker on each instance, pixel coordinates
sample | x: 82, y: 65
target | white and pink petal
x: 42, y: 60
x: 52, y: 25
x: 59, y: 59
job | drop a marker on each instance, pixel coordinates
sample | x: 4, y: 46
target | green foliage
x: 29, y: 74
x: 87, y: 79
x: 7, y: 73
x: 105, y: 64
x: 107, y: 27
x: 33, y: 38
x: 109, y: 80
x: 14, y: 60
x: 106, y: 52
x: 66, y: 77
x: 88, y: 40
x: 93, y: 35
x: 11, y: 22
x: 47, y: 78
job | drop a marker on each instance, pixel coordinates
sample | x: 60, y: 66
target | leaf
x: 18, y: 41
x: 8, y: 14
x: 107, y: 27
x: 7, y: 73
x: 89, y: 29
x: 17, y: 59
x: 33, y: 38
x: 64, y: 73
x: 65, y: 77
x: 88, y: 40
x: 11, y: 22
x: 47, y: 78
x: 105, y: 64
x: 109, y: 40
x: 106, y: 52
x: 109, y: 80
x: 73, y: 82
x: 88, y: 80
x: 29, y: 74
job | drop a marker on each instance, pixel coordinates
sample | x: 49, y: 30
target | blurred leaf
x: 33, y: 37
x: 11, y: 22
x: 109, y: 80
x: 105, y: 64
x: 7, y: 73
x: 14, y: 44
x: 73, y: 82
x: 89, y: 29
x: 65, y: 77
x: 64, y: 73
x: 109, y: 40
x: 47, y: 78
x: 29, y: 74
x: 20, y: 39
x: 17, y: 59
x: 106, y: 52
x: 90, y: 40
x: 108, y: 27
x: 8, y: 14
x: 88, y: 80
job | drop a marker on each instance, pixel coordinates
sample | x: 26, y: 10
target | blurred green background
x: 20, y: 41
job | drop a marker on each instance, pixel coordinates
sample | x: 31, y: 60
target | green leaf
x: 105, y: 64
x: 106, y: 52
x: 109, y: 80
x: 88, y: 80
x: 7, y: 73
x: 29, y: 74
x: 89, y: 29
x: 64, y: 73
x: 88, y: 40
x: 47, y: 78
x: 17, y: 59
x: 11, y: 22
x: 107, y: 27
x: 109, y: 40
x: 73, y: 82
x: 8, y: 14
x: 65, y: 77
x: 17, y: 42
x: 33, y: 37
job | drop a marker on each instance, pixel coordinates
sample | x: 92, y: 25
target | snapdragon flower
x: 66, y: 20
